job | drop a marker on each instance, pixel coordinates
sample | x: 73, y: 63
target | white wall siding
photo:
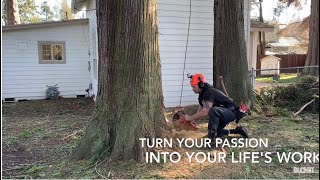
x: 94, y: 58
x: 246, y: 14
x: 25, y: 78
x: 173, y: 29
x: 173, y: 16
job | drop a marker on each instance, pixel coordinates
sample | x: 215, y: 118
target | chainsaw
x: 179, y: 121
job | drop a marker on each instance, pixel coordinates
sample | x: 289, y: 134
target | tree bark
x: 230, y: 57
x: 262, y: 35
x: 12, y: 12
x: 313, y: 47
x: 130, y: 102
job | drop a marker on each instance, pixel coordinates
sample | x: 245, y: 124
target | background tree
x: 64, y: 11
x: 313, y: 47
x: 12, y: 12
x: 46, y: 11
x: 3, y: 13
x: 284, y: 4
x: 130, y: 102
x: 230, y: 57
x: 28, y: 12
x: 262, y: 36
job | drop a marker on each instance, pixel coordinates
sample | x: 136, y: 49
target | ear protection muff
x: 200, y: 84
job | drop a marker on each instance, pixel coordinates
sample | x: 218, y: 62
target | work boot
x: 212, y: 134
x: 214, y: 150
x: 240, y: 130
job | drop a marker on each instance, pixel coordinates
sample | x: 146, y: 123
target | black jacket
x: 215, y: 96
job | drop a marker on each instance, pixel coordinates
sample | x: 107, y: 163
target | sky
x: 287, y: 15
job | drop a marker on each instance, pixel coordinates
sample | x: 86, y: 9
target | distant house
x: 256, y: 27
x: 47, y: 53
x: 293, y: 39
x: 173, y: 16
x: 288, y: 45
x: 297, y: 30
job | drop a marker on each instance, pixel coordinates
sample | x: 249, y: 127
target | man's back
x: 215, y: 96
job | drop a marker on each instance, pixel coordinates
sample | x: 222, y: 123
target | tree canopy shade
x: 230, y: 55
x: 130, y: 102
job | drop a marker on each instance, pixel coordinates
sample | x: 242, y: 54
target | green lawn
x: 284, y: 78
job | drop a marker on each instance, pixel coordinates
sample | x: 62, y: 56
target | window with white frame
x: 52, y: 52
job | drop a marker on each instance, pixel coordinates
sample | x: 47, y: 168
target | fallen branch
x: 304, y: 106
x: 74, y: 133
x: 20, y: 166
x: 224, y: 90
x: 315, y: 83
x: 109, y: 174
x: 14, y: 168
x: 20, y: 177
x: 95, y: 168
x: 266, y: 121
x: 260, y: 98
x: 98, y: 164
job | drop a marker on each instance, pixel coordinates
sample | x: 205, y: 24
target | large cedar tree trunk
x: 130, y: 101
x: 230, y: 57
x: 313, y: 48
x: 12, y: 12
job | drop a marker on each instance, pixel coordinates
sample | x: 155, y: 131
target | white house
x: 255, y: 28
x: 48, y: 53
x: 173, y: 18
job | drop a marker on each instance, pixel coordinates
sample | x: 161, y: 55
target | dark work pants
x: 219, y: 117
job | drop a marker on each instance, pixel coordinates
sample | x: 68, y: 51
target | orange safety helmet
x: 196, y: 79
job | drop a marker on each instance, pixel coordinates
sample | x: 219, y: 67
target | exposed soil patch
x: 80, y: 106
